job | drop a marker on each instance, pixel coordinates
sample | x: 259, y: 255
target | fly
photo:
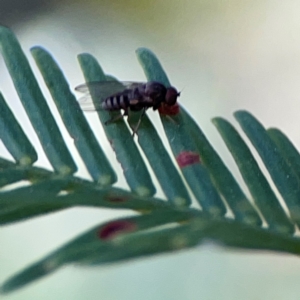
x: 133, y: 96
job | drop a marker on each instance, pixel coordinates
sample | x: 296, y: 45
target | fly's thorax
x: 154, y: 87
x: 156, y: 92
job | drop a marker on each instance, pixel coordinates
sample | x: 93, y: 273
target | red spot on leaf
x: 112, y: 229
x: 169, y: 110
x: 116, y: 199
x: 187, y: 158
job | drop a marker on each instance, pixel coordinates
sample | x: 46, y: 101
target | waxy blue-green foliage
x: 161, y: 225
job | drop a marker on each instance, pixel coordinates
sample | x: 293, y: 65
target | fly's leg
x: 135, y: 129
x: 116, y: 118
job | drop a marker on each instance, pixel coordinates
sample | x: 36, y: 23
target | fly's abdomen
x: 116, y: 102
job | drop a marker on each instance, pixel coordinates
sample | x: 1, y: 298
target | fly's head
x: 170, y: 107
x: 171, y: 96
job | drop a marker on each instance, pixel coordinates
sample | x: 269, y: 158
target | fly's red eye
x: 171, y: 96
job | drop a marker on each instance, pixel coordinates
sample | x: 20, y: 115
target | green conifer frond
x: 162, y: 225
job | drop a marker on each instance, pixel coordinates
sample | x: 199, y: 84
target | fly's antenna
x: 179, y: 93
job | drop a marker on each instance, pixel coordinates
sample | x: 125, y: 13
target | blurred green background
x: 225, y: 56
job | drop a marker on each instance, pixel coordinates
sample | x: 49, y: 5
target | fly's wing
x: 100, y: 91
